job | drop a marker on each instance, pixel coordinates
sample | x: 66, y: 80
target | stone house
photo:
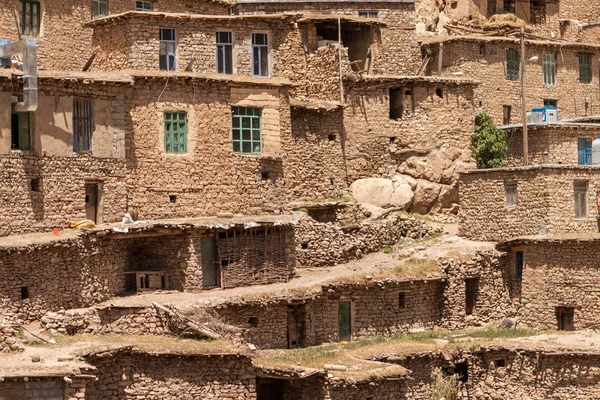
x: 500, y: 203
x: 564, y: 76
x: 552, y: 280
x: 191, y: 255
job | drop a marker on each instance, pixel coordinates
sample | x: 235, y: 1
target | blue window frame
x: 584, y: 151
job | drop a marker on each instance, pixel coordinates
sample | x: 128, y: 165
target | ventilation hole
x: 500, y: 363
x: 304, y: 246
x: 172, y: 198
x: 393, y: 140
x: 35, y: 185
x: 332, y: 138
x: 24, y: 293
x: 253, y: 322
x: 264, y: 175
x: 439, y: 92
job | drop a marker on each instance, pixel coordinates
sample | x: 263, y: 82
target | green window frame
x: 246, y: 127
x: 585, y: 68
x: 512, y: 64
x: 99, y: 8
x: 31, y: 17
x: 143, y: 6
x: 176, y: 132
x: 20, y: 131
x: 549, y: 68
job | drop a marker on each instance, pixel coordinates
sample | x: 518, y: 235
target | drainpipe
x: 27, y: 49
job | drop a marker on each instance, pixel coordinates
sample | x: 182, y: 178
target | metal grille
x: 580, y: 190
x: 30, y: 18
x: 585, y: 68
x: 99, y: 8
x: 175, y: 132
x: 519, y: 265
x: 549, y: 68
x: 82, y: 125
x: 512, y: 64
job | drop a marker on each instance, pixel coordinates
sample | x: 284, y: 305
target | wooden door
x: 91, y: 201
x: 210, y: 270
x: 565, y: 318
x: 344, y: 321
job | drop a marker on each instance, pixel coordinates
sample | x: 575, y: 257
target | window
x: 500, y: 363
x: 482, y: 49
x: 99, y: 8
x: 344, y: 321
x: 368, y: 14
x: 580, y: 189
x: 175, y: 132
x: 260, y: 54
x: 24, y: 292
x: 584, y: 151
x: 519, y: 264
x: 253, y: 322
x: 550, y: 103
x: 471, y: 289
x: 549, y: 68
x: 82, y: 125
x: 511, y: 194
x: 30, y: 17
x: 246, y: 130
x: 168, y: 50
x: 224, y: 53
x: 401, y: 300
x: 20, y: 138
x: 512, y: 65
x: 585, y: 68
x: 396, y: 103
x: 509, y: 6
x: 35, y: 185
x: 143, y: 5
x: 565, y: 317
x: 507, y: 110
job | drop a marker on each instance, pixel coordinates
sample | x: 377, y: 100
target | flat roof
x: 549, y: 238
x: 325, y: 1
x: 188, y: 17
x: 404, y: 79
x: 551, y: 125
x: 483, y: 38
x: 532, y: 168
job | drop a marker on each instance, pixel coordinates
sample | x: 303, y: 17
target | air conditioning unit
x: 535, y: 117
x: 323, y: 43
x: 549, y: 114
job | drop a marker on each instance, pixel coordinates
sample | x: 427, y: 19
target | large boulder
x: 381, y: 192
x: 425, y: 197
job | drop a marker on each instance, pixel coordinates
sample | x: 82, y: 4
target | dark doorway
x: 91, y: 201
x: 296, y: 325
x: 471, y: 289
x: 210, y: 269
x: 130, y: 283
x: 565, y: 315
x: 344, y: 321
x: 270, y: 389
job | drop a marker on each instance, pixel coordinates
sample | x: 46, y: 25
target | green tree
x: 489, y: 143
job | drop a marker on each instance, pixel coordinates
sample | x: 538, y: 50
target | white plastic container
x: 596, y: 151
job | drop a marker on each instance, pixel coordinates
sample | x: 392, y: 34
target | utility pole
x: 524, y: 100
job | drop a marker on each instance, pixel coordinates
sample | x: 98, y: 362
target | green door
x: 344, y: 318
x: 210, y: 272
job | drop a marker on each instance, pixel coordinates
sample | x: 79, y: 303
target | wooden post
x: 440, y: 59
x: 524, y: 100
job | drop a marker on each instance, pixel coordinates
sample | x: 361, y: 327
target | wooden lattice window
x: 175, y: 132
x: 31, y: 17
x: 512, y: 65
x: 585, y: 68
x: 83, y: 125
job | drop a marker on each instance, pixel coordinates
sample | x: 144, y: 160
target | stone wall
x: 327, y: 243
x: 545, y: 199
x: 546, y: 144
x: 43, y: 388
x: 376, y: 309
x: 484, y: 60
x: 555, y: 274
x: 143, y: 376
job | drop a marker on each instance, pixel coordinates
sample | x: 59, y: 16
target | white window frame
x: 101, y: 8
x: 368, y: 14
x: 222, y: 49
x: 260, y: 48
x: 170, y: 49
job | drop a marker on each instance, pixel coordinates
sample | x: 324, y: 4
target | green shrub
x: 443, y: 387
x: 489, y: 143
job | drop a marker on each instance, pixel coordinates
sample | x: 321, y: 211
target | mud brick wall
x: 545, y: 199
x: 485, y: 61
x: 398, y: 52
x: 133, y: 42
x: 555, y: 274
x: 547, y: 145
x: 324, y: 243
x: 141, y: 376
x: 257, y: 256
x: 430, y: 143
x: 532, y: 374
x: 209, y: 173
x: 50, y: 388
x: 494, y: 299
